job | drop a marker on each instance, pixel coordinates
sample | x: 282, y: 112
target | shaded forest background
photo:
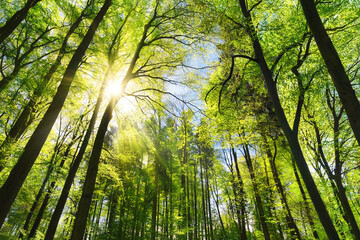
x: 179, y: 119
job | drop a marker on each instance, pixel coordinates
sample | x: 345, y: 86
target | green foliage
x: 163, y: 165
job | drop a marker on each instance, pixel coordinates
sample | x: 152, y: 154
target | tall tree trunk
x: 203, y: 200
x: 51, y: 187
x: 89, y: 185
x: 215, y: 196
x: 135, y: 211
x: 171, y: 227
x: 307, y: 207
x: 195, y: 204
x: 40, y: 192
x: 25, y: 119
x: 290, y: 135
x: 335, y: 67
x: 336, y: 176
x: 294, y: 231
x: 190, y: 233
x: 16, y: 19
x: 183, y: 178
x: 350, y: 218
x: 239, y: 195
x: 259, y: 204
x: 166, y: 217
x: 11, y: 187
x: 74, y: 167
x: 271, y: 208
x: 154, y: 202
x: 207, y: 192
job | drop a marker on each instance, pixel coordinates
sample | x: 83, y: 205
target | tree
x: 16, y: 19
x: 335, y: 67
x: 18, y: 174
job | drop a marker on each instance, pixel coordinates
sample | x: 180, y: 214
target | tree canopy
x: 179, y: 119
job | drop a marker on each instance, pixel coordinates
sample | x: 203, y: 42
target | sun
x: 126, y: 104
x: 113, y: 88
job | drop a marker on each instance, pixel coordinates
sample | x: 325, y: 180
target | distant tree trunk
x: 135, y: 211
x: 336, y: 176
x: 239, y: 193
x: 294, y: 231
x: 335, y: 67
x: 154, y: 202
x: 183, y: 178
x: 166, y: 217
x: 190, y: 233
x: 203, y: 200
x: 40, y: 192
x: 16, y: 19
x: 144, y: 211
x: 41, y: 210
x: 242, y: 197
x: 17, y: 176
x: 307, y: 207
x: 290, y: 135
x: 207, y: 192
x: 101, y: 203
x: 171, y: 232
x: 271, y: 209
x: 216, y: 200
x: 51, y: 187
x: 259, y: 204
x: 25, y: 119
x: 195, y: 204
x: 121, y: 228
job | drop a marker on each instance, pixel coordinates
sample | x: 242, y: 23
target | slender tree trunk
x: 259, y: 204
x: 195, y: 204
x: 25, y: 119
x: 89, y: 185
x: 215, y: 196
x: 290, y: 135
x: 166, y: 218
x: 16, y: 19
x: 51, y: 187
x: 135, y: 211
x: 40, y: 193
x: 203, y: 200
x: 11, y: 187
x: 69, y: 180
x: 154, y: 203
x: 336, y: 176
x: 294, y: 231
x: 171, y: 232
x: 75, y: 165
x: 121, y: 228
x: 207, y: 192
x: 239, y: 194
x: 88, y: 189
x: 42, y: 210
x: 335, y: 67
x: 183, y: 179
x: 341, y: 192
x: 101, y: 201
x: 190, y: 233
x: 307, y: 207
